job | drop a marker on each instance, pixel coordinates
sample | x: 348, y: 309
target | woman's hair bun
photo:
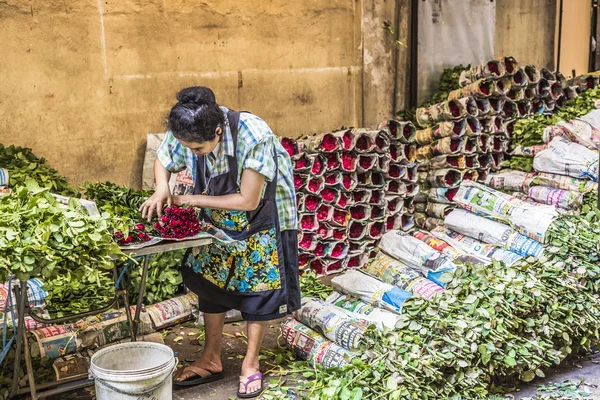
x: 199, y: 95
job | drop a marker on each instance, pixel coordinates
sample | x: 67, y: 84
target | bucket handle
x: 139, y: 393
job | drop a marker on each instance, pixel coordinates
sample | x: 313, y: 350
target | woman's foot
x: 250, y: 368
x: 207, y: 363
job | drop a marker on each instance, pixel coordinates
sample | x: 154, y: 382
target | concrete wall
x: 83, y: 82
x: 525, y: 30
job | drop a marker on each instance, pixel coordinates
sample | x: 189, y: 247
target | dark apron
x: 248, y: 275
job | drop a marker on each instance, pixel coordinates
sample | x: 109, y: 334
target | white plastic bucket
x: 130, y: 371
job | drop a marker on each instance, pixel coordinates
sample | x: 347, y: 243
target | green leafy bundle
x: 22, y: 165
x: 122, y: 203
x: 70, y: 251
x: 520, y: 163
x: 492, y: 324
x: 529, y: 131
x: 164, y: 278
x: 311, y: 286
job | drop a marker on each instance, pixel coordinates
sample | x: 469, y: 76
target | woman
x: 244, y: 185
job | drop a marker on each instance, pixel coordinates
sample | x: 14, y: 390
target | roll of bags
x: 336, y: 324
x: 404, y: 277
x: 308, y: 344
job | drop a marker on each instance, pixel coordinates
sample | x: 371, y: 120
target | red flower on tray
x: 364, y: 143
x: 342, y: 201
x: 375, y: 197
x: 355, y: 262
x: 347, y: 181
x: 358, y: 212
x: 360, y: 196
x: 323, y: 230
x: 178, y: 223
x: 332, y: 161
x: 303, y: 259
x: 366, y: 161
x: 390, y: 223
x: 376, y: 213
x: 314, y: 185
x: 302, y: 162
x: 394, y: 151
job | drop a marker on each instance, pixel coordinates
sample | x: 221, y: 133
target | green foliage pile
x: 23, y: 165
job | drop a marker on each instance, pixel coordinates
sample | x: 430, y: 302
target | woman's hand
x: 181, y: 200
x: 156, y: 202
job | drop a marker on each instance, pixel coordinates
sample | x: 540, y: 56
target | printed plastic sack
x: 566, y: 199
x: 509, y: 180
x: 332, y: 322
x: 567, y: 158
x: 382, y: 319
x: 564, y: 182
x: 492, y: 232
x: 482, y: 200
x: 392, y: 271
x: 411, y: 251
x: 466, y: 245
x: 370, y: 290
x: 308, y: 344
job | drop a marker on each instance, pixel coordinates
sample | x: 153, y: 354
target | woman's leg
x: 250, y: 366
x: 210, y: 359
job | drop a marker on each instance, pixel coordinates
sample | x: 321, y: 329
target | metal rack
x: 23, y: 309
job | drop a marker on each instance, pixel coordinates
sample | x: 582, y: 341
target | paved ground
x: 184, y: 341
x: 233, y: 351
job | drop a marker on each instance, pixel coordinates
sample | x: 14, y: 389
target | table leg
x: 140, y: 300
x: 29, y: 366
x: 21, y: 298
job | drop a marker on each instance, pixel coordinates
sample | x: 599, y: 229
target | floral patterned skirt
x: 258, y: 275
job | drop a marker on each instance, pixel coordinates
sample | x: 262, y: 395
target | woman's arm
x: 247, y: 200
x: 162, y: 195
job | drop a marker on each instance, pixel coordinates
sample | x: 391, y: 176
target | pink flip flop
x: 248, y: 380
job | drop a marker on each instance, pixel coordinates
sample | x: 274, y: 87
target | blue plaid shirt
x: 254, y: 151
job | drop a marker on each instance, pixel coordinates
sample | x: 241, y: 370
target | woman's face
x: 204, y: 148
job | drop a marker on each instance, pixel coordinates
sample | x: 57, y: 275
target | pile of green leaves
x: 120, y: 202
x: 71, y: 252
x: 22, y: 165
x: 520, y: 163
x: 491, y: 325
x: 529, y: 131
x: 164, y: 278
x: 311, y: 286
x: 116, y: 200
